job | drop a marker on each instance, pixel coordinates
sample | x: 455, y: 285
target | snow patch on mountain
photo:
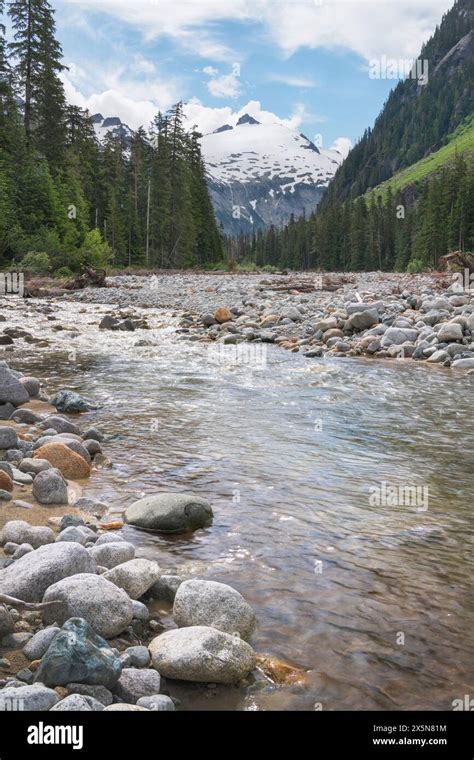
x: 260, y: 174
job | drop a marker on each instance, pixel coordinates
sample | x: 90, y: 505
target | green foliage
x: 415, y: 119
x: 415, y: 266
x: 63, y: 193
x: 63, y: 273
x: 95, y: 251
x: 36, y: 262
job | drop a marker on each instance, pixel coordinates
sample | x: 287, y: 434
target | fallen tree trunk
x: 90, y: 278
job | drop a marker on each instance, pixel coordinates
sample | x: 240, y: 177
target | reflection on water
x: 374, y: 600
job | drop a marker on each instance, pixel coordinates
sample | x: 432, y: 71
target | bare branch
x: 4, y: 599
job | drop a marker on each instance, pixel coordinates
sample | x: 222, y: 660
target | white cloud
x: 207, y: 119
x: 225, y: 86
x: 292, y: 81
x: 210, y: 71
x: 118, y: 93
x: 343, y: 145
x: 369, y: 28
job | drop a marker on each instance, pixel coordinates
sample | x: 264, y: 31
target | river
x: 374, y: 600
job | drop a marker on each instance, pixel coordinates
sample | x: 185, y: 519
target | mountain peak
x: 247, y: 119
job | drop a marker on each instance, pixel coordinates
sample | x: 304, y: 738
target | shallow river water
x: 374, y: 599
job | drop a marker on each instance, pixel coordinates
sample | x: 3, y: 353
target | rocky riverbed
x: 169, y: 629
x: 422, y: 317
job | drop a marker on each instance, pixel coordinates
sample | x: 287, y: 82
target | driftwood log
x: 90, y: 278
x: 458, y: 261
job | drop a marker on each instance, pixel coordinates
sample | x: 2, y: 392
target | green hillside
x: 461, y: 142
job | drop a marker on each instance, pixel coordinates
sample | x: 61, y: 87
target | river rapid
x: 371, y: 595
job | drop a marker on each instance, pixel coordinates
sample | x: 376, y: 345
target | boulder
x: 449, y: 332
x: 6, y: 411
x: 36, y: 697
x: 37, y: 646
x: 73, y: 533
x: 135, y: 576
x: 7, y: 624
x: 362, y: 320
x: 157, y: 703
x: 60, y: 425
x: 21, y: 532
x: 49, y: 487
x: 166, y: 587
x: 32, y: 386
x: 11, y: 389
x: 113, y: 553
x: 6, y: 483
x: 170, y: 513
x: 34, y: 466
x: 398, y: 335
x: 137, y: 657
x: 135, y: 683
x: 201, y: 654
x: 140, y: 611
x: 29, y: 577
x: 222, y: 314
x: 463, y: 363
x: 70, y: 402
x: 100, y: 693
x: 200, y: 602
x: 78, y: 655
x: 8, y: 437
x: 78, y: 703
x: 70, y: 464
x: 25, y: 417
x: 105, y: 607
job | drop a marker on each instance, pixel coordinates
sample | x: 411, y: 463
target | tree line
x: 66, y: 199
x: 408, y: 230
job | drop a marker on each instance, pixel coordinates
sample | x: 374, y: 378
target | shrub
x: 95, y: 251
x: 415, y: 266
x: 36, y: 262
x: 63, y: 273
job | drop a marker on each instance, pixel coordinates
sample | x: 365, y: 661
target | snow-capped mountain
x: 260, y: 174
x: 111, y: 124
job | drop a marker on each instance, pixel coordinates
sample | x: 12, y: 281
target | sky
x: 308, y: 64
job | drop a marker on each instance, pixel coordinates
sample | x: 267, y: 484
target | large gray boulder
x: 200, y: 602
x: 201, y: 654
x: 136, y: 683
x: 106, y: 608
x: 135, y: 576
x: 11, y: 389
x: 21, y: 532
x: 49, y: 487
x: 170, y: 513
x: 78, y: 655
x: 36, y: 697
x: 29, y: 577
